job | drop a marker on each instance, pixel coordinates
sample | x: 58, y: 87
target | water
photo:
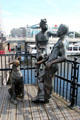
x: 29, y: 78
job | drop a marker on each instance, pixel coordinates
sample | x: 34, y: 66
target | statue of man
x: 57, y: 55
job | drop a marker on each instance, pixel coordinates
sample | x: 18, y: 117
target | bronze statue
x: 17, y: 84
x: 57, y: 55
x: 42, y: 39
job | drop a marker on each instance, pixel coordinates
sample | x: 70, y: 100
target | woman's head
x: 43, y: 24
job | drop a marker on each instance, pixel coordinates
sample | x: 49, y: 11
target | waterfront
x: 29, y: 78
x: 62, y: 82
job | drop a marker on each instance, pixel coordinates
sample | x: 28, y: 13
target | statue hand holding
x: 48, y: 65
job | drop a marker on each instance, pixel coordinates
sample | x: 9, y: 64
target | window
x: 75, y: 48
x: 69, y: 48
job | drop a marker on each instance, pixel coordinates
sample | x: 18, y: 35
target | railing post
x: 73, y: 83
x: 25, y: 47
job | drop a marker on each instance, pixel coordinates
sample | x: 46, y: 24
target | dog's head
x: 15, y: 62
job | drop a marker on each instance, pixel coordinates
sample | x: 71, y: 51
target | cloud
x: 10, y: 21
x: 6, y: 13
x: 73, y: 23
x: 21, y: 21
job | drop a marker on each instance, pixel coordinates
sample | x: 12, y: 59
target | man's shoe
x: 46, y: 101
x: 14, y: 101
x: 40, y: 101
x: 35, y: 100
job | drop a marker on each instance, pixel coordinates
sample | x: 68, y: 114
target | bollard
x: 73, y: 84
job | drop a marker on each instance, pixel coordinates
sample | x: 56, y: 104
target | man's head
x: 43, y: 24
x: 62, y: 30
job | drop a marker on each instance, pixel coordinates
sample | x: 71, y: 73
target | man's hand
x: 39, y: 62
x: 48, y: 65
x: 58, y: 60
x: 42, y: 61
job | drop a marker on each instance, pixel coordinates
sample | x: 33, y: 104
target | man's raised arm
x: 59, y: 60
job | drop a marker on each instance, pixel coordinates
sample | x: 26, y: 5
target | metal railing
x: 66, y: 81
x: 27, y: 67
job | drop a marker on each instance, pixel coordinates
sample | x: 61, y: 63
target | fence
x: 27, y: 67
x: 66, y: 81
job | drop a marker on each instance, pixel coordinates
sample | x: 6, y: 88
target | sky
x: 19, y: 13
